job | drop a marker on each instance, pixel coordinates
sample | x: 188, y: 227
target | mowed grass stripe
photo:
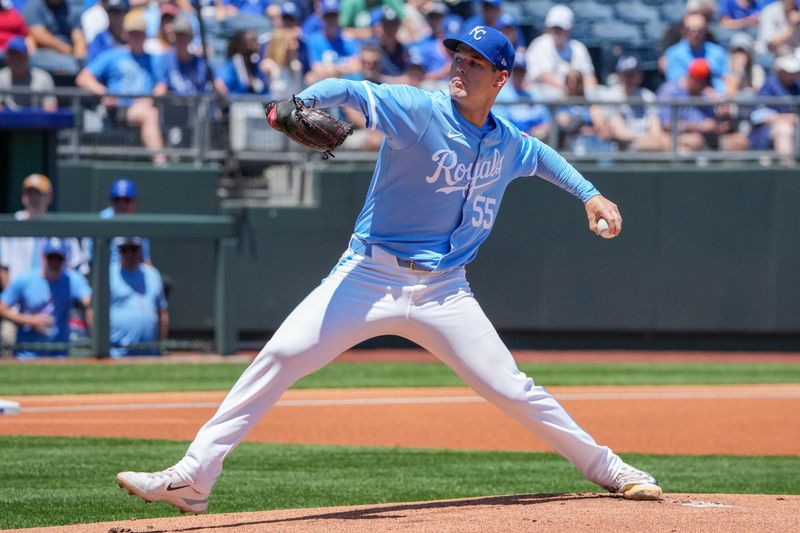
x: 39, y: 379
x: 57, y: 480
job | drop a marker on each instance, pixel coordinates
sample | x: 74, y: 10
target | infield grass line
x: 48, y: 481
x: 88, y: 378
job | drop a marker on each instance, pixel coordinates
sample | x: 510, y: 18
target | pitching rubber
x: 642, y: 492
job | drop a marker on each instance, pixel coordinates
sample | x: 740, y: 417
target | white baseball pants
x: 364, y: 297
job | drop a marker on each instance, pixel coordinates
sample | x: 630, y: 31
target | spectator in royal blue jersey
x: 775, y: 125
x: 531, y: 118
x: 184, y: 72
x: 56, y: 30
x: 244, y: 72
x: 491, y: 14
x: 740, y: 14
x: 330, y: 53
x: 130, y: 71
x: 39, y: 302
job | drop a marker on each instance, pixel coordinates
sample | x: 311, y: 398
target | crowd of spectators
x: 45, y: 296
x: 142, y: 48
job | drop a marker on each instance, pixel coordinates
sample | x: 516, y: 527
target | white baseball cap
x: 559, y: 16
x: 788, y: 63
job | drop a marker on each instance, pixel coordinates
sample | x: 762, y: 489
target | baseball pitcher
x: 435, y: 194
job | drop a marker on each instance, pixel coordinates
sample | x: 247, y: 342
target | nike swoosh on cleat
x: 170, y: 487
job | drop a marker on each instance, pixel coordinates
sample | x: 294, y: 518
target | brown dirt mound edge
x: 545, y: 512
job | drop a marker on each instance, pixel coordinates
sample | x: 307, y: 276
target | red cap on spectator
x: 699, y: 69
x: 169, y: 9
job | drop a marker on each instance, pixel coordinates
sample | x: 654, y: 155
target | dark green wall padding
x: 702, y: 251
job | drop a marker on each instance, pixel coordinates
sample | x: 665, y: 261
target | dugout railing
x: 222, y: 229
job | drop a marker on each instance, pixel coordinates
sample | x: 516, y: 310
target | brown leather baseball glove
x: 307, y: 125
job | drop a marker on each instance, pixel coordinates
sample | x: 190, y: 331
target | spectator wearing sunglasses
x: 138, y: 310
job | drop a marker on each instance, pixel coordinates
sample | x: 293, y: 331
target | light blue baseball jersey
x: 439, y: 180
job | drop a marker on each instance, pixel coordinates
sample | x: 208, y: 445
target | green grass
x: 57, y: 480
x: 93, y: 378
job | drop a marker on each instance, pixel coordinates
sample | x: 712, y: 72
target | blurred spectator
x: 11, y: 25
x: 363, y: 138
x: 739, y: 14
x: 184, y: 72
x: 531, y: 118
x: 20, y: 254
x: 490, y: 14
x: 287, y: 56
x: 553, y: 54
x: 575, y: 125
x: 19, y: 74
x: 414, y: 27
x: 165, y: 38
x: 39, y: 301
x: 244, y: 72
x: 508, y: 25
x: 331, y: 55
x: 779, y: 27
x: 695, y: 45
x: 240, y: 15
x: 431, y: 50
x: 775, y: 125
x: 56, y: 30
x: 124, y: 200
x: 698, y: 126
x: 394, y: 54
x: 674, y: 33
x: 356, y: 16
x: 415, y: 74
x: 103, y: 27
x: 631, y: 125
x: 138, y: 309
x: 745, y: 75
x: 129, y: 71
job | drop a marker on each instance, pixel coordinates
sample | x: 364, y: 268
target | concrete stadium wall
x: 703, y: 250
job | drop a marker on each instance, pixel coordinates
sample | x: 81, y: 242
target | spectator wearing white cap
x: 554, y: 54
x: 775, y: 125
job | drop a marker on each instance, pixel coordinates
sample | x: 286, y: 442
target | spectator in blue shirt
x: 491, y: 14
x: 431, y: 51
x: 113, y: 34
x: 533, y: 119
x: 695, y: 45
x: 138, y: 310
x: 56, y: 30
x: 775, y: 125
x: 240, y: 15
x: 698, y: 125
x: 394, y: 54
x: 331, y: 55
x: 43, y: 299
x: 184, y: 72
x: 130, y: 71
x: 740, y: 14
x: 244, y: 72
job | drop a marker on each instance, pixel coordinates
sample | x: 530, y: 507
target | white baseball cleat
x: 167, y: 486
x: 635, y: 484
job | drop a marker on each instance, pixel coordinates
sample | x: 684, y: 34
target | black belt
x: 366, y: 249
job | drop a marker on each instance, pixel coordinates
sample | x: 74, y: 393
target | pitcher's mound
x: 520, y: 512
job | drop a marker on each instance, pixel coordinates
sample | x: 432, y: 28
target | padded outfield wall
x: 703, y: 250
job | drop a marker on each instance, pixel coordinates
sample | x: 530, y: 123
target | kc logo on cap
x: 477, y: 32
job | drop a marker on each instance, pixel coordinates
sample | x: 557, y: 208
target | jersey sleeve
x: 78, y: 286
x: 537, y: 158
x: 400, y: 112
x: 11, y: 294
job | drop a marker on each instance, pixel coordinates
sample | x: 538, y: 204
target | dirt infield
x: 525, y: 512
x: 731, y: 419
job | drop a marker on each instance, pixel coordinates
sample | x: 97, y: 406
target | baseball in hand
x: 602, y: 227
